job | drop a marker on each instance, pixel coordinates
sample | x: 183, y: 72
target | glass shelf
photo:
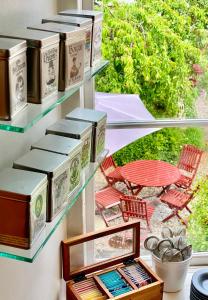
x: 35, y: 112
x: 31, y: 254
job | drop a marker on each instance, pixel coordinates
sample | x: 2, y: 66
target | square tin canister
x: 97, y: 18
x: 42, y: 62
x: 76, y: 130
x: 84, y: 23
x: 71, y: 52
x: 23, y: 197
x: 13, y: 77
x: 98, y: 121
x: 65, y: 146
x: 56, y: 166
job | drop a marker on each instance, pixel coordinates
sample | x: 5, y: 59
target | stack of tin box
x: 72, y: 51
x: 42, y: 62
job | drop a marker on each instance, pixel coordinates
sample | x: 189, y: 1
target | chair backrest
x: 189, y: 160
x: 107, y: 165
x: 132, y: 206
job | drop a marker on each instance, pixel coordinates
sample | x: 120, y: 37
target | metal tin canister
x: 23, y: 197
x: 97, y: 18
x: 56, y: 166
x: 71, y: 52
x: 98, y: 121
x: 84, y: 23
x: 13, y: 77
x: 76, y: 130
x: 42, y: 62
x: 65, y: 146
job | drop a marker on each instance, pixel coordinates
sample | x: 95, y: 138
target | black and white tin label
x: 18, y: 82
x: 97, y: 41
x: 74, y: 63
x: 49, y: 70
x: 60, y: 191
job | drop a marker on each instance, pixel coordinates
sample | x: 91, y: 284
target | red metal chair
x: 188, y: 164
x: 133, y: 207
x: 106, y: 199
x: 177, y: 201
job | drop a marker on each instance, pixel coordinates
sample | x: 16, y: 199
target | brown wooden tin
x: 22, y: 207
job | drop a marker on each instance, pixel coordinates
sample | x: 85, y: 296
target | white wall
x: 42, y: 279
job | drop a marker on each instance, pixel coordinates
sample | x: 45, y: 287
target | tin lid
x: 10, y: 47
x: 69, y: 128
x: 127, y: 234
x: 87, y: 115
x: 20, y: 182
x: 92, y: 14
x: 58, y: 144
x: 42, y: 161
x: 35, y: 39
x: 63, y: 29
x: 75, y: 21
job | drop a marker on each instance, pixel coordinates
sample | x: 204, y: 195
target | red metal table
x: 150, y: 173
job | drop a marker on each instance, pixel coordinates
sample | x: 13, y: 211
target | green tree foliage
x: 164, y: 144
x: 198, y: 221
x: 151, y: 46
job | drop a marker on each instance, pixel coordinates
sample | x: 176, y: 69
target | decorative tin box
x: 84, y: 23
x: 98, y: 120
x: 76, y: 130
x: 64, y: 146
x: 42, y: 62
x: 110, y: 267
x: 96, y: 17
x: 22, y: 207
x: 13, y: 78
x: 71, y: 52
x: 56, y: 166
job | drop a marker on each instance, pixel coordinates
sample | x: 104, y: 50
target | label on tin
x: 38, y: 213
x: 75, y: 169
x: 86, y: 150
x: 97, y: 41
x: 18, y: 82
x: 60, y: 190
x: 88, y: 38
x: 100, y: 138
x: 49, y: 70
x: 74, y: 63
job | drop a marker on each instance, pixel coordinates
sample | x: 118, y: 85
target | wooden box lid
x: 70, y: 249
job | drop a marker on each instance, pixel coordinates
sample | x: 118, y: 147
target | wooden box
x: 71, y: 52
x: 96, y: 17
x: 85, y: 24
x: 98, y: 121
x: 23, y: 197
x: 111, y: 258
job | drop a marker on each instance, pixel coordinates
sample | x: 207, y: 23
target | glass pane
x: 167, y: 169
x: 35, y: 112
x: 101, y: 249
x: 31, y: 254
